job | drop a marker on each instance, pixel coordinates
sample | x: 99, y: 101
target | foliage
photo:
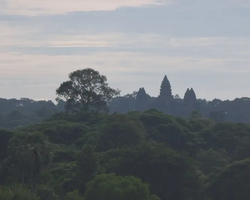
x: 17, y: 193
x: 112, y: 187
x: 5, y: 137
x: 28, y: 155
x: 210, y: 161
x: 231, y: 183
x: 16, y: 113
x: 119, y: 131
x: 86, y: 89
x: 150, y: 160
x: 87, y: 166
x: 46, y: 193
x: 74, y: 195
x: 61, y: 132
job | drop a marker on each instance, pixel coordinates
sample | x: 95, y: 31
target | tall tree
x: 86, y: 89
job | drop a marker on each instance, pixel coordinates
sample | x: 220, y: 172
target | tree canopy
x: 112, y: 187
x: 86, y: 89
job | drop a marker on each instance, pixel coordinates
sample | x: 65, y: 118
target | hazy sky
x: 196, y: 43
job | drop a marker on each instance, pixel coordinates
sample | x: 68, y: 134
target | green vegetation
x: 87, y: 89
x: 89, y: 154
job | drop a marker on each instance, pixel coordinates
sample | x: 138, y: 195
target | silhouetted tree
x: 86, y: 89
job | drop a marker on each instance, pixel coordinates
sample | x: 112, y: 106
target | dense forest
x: 81, y: 149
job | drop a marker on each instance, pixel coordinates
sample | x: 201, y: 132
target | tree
x: 120, y: 131
x: 223, y: 136
x: 86, y: 89
x: 195, y: 115
x: 74, y: 195
x: 44, y: 112
x: 170, y: 174
x: 17, y: 193
x: 1, y: 118
x: 28, y: 155
x: 86, y: 166
x: 123, y: 104
x: 210, y: 161
x: 5, y: 137
x: 172, y: 135
x: 15, y: 115
x: 231, y: 183
x: 112, y: 187
x: 60, y: 131
x: 46, y: 192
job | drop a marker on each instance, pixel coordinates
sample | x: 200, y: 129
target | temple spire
x: 165, y: 90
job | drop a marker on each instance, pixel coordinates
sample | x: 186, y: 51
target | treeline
x: 16, y: 113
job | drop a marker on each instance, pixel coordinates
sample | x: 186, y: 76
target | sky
x: 196, y: 43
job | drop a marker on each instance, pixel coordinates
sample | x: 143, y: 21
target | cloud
x: 52, y: 7
x: 28, y: 42
x: 223, y: 18
x: 14, y: 36
x: 175, y: 21
x: 200, y: 44
x: 37, y: 7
